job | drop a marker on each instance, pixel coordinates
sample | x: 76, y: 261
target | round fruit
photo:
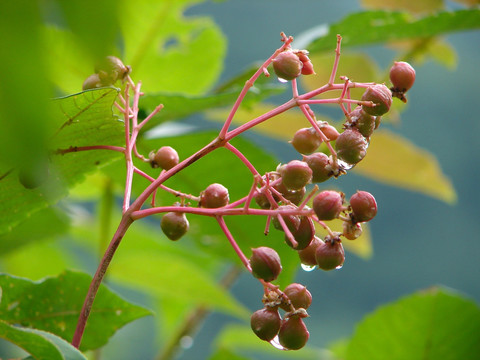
x: 352, y: 230
x: 363, y: 122
x: 364, y: 206
x: 92, y: 82
x: 292, y: 221
x: 320, y: 165
x: 265, y: 263
x: 328, y: 204
x: 307, y: 255
x: 287, y: 65
x: 174, y: 225
x: 330, y: 255
x: 402, y: 76
x: 295, y: 175
x: 111, y: 69
x: 304, y: 233
x: 351, y: 146
x: 166, y: 157
x: 299, y: 296
x: 293, y: 334
x: 306, y: 141
x: 381, y: 96
x: 214, y: 196
x: 328, y: 130
x: 266, y: 323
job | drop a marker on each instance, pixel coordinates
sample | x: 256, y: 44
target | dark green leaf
x: 433, y: 324
x: 54, y: 305
x: 384, y: 26
x: 226, y: 354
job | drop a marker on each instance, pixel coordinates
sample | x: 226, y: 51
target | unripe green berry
x: 402, y: 76
x: 214, y: 196
x: 306, y: 141
x: 328, y: 204
x: 266, y: 323
x: 166, y: 158
x: 351, y: 146
x: 299, y: 296
x: 330, y: 255
x: 174, y: 225
x: 92, y: 82
x: 111, y: 69
x: 287, y: 65
x: 293, y: 334
x: 319, y: 163
x: 307, y: 255
x: 364, y: 206
x: 381, y: 96
x: 265, y: 263
x: 295, y: 175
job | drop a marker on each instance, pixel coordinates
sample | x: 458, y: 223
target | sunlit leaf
x: 54, y: 305
x: 394, y: 160
x: 414, y: 6
x: 434, y: 324
x: 383, y: 26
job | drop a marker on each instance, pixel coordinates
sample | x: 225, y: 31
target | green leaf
x: 54, y: 305
x: 413, y: 6
x: 394, y: 160
x: 169, y: 51
x: 384, y: 26
x: 225, y: 354
x: 434, y: 324
x: 81, y: 120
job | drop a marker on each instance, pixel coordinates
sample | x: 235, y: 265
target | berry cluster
x: 280, y: 195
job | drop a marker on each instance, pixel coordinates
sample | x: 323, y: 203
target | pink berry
x: 381, y: 96
x: 292, y: 221
x: 303, y: 234
x: 328, y: 130
x: 363, y: 122
x: 265, y: 263
x: 166, y: 158
x: 214, y: 196
x: 295, y: 175
x: 287, y: 65
x: 364, y: 206
x: 328, y: 204
x: 298, y: 295
x: 330, y: 255
x: 319, y: 163
x: 402, y: 76
x: 351, y: 146
x: 307, y: 68
x: 306, y: 141
x: 293, y: 334
x: 266, y: 323
x: 307, y: 255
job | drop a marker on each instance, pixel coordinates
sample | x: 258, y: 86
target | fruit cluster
x: 280, y: 195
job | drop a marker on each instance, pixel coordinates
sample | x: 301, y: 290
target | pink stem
x: 243, y: 158
x: 234, y: 244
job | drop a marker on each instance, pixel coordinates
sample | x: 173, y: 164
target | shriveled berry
x: 363, y: 122
x: 307, y: 255
x: 351, y: 146
x: 307, y: 68
x: 166, y: 157
x: 303, y: 234
x: 265, y: 263
x: 299, y: 296
x: 287, y: 65
x: 293, y: 334
x: 92, y: 82
x: 352, y: 230
x: 214, y: 196
x: 402, y: 76
x: 320, y: 165
x: 328, y: 204
x: 381, y: 96
x: 306, y: 141
x: 330, y: 255
x: 111, y: 69
x: 364, y: 206
x: 266, y: 323
x: 174, y: 225
x: 295, y: 175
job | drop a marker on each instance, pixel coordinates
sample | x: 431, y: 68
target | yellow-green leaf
x: 414, y: 6
x: 394, y: 160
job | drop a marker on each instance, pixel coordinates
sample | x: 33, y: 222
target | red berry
x: 293, y: 334
x: 330, y: 255
x: 307, y: 255
x: 351, y: 146
x: 364, y: 206
x: 298, y: 295
x: 266, y: 323
x: 328, y: 204
x: 303, y: 234
x: 307, y: 68
x: 381, y: 96
x: 319, y: 163
x: 306, y: 141
x: 214, y: 196
x: 295, y: 175
x: 363, y: 122
x: 174, y: 225
x: 166, y: 157
x: 402, y: 76
x: 265, y: 263
x: 287, y: 65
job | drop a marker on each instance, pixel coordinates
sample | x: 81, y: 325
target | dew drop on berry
x: 308, y: 268
x: 344, y: 165
x: 282, y: 80
x: 339, y: 267
x: 276, y: 343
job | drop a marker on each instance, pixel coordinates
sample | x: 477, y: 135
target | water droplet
x: 186, y: 342
x: 276, y: 343
x: 282, y: 80
x: 339, y: 267
x: 344, y: 165
x: 308, y: 267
